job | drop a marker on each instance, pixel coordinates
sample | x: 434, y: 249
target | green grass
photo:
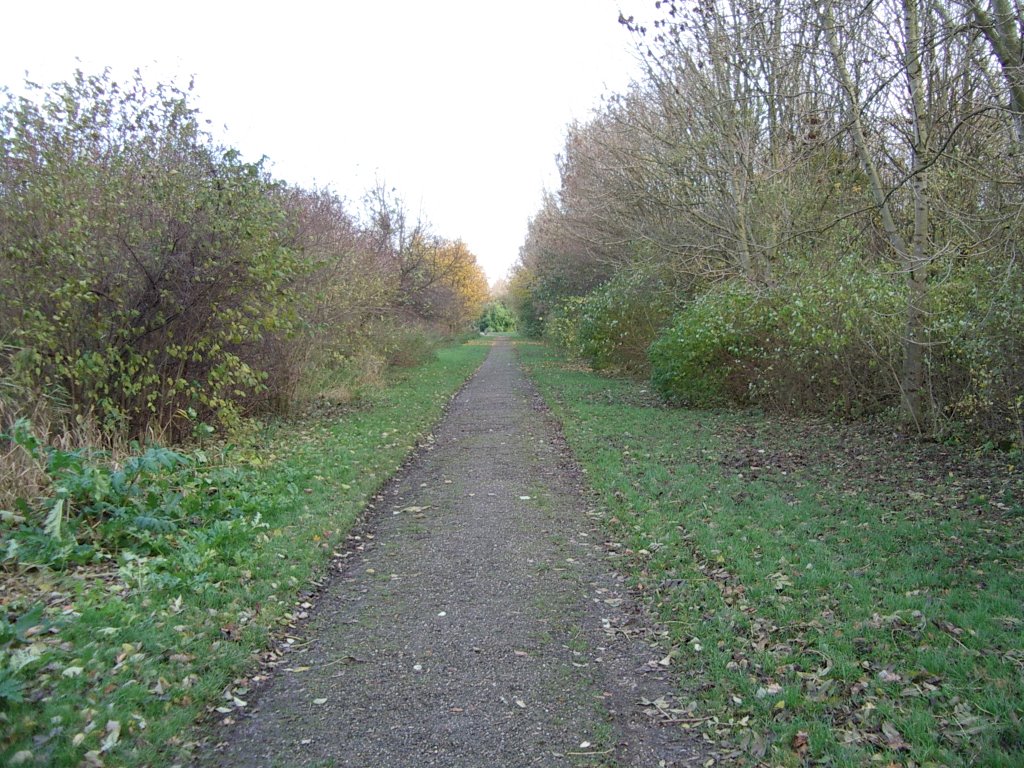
x: 840, y: 621
x: 140, y: 647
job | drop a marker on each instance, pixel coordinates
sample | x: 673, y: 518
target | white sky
x: 461, y: 105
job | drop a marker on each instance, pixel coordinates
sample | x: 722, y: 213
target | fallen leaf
x: 893, y: 738
x: 800, y: 742
x: 112, y: 737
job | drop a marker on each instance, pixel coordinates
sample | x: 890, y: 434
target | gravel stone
x: 480, y: 626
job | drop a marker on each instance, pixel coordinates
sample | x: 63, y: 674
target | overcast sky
x: 461, y: 105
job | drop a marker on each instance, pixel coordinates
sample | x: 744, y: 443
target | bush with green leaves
x: 825, y: 342
x: 618, y: 321
x: 138, y: 260
x: 562, y: 326
x: 708, y: 342
x: 496, y: 318
x: 831, y: 340
x: 977, y: 353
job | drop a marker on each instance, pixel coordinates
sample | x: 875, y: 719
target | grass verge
x: 111, y: 657
x: 833, y: 597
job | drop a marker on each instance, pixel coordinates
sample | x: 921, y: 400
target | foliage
x: 150, y: 638
x: 562, y: 326
x: 865, y: 209
x: 461, y: 285
x: 693, y: 359
x: 147, y: 273
x: 527, y: 302
x: 618, y: 321
x: 978, y: 330
x: 436, y: 281
x: 811, y: 342
x: 834, y: 596
x: 496, y: 318
x: 96, y: 509
x: 138, y: 258
x: 830, y: 342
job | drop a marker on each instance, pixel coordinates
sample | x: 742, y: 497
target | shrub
x: 562, y: 327
x: 977, y: 358
x: 815, y: 341
x: 831, y: 341
x: 710, y: 339
x: 404, y: 345
x: 496, y: 318
x: 618, y: 321
x: 137, y: 259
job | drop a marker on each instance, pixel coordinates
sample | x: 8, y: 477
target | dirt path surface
x: 480, y: 626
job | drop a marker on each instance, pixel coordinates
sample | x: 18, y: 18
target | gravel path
x: 479, y: 626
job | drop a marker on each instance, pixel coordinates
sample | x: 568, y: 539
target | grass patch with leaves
x: 135, y: 597
x: 833, y: 598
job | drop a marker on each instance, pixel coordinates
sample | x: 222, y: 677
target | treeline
x: 152, y: 280
x: 803, y: 206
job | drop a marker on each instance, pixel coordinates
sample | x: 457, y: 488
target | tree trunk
x: 916, y: 265
x: 912, y: 257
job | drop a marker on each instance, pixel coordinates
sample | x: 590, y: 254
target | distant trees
x: 150, y: 278
x: 863, y: 156
x: 496, y: 318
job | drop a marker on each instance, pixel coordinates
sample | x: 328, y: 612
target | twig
x: 343, y: 660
